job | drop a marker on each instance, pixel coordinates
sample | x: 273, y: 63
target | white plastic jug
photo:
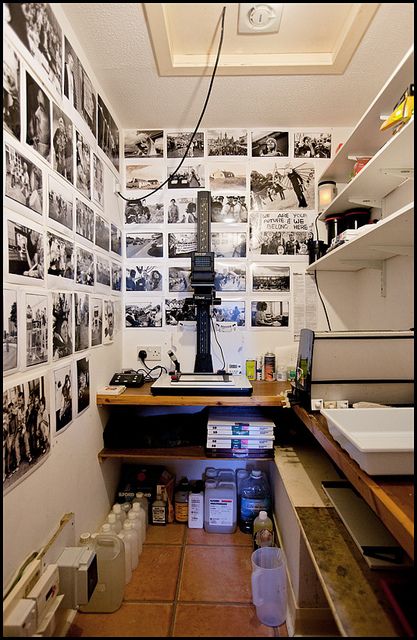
x: 269, y: 585
x: 108, y: 594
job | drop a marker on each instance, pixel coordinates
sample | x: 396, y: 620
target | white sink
x: 380, y: 440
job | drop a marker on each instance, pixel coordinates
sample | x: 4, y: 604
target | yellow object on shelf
x: 401, y: 114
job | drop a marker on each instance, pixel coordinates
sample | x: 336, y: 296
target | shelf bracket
x: 366, y: 202
x: 393, y: 249
x: 406, y: 173
x: 365, y: 264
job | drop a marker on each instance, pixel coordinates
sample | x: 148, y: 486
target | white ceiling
x: 117, y: 44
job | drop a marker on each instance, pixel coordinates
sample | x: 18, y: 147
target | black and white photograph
x: 11, y: 90
x: 178, y: 141
x: 227, y: 176
x: 107, y: 133
x: 229, y: 208
x: 188, y: 177
x: 270, y: 313
x: 36, y: 329
x: 63, y: 385
x: 182, y: 210
x: 266, y: 144
x: 144, y: 245
x: 147, y: 313
x: 277, y: 185
x: 230, y: 311
x: 83, y: 165
x: 116, y: 276
x: 146, y: 210
x: 227, y: 142
x: 143, y: 277
x: 25, y: 251
x: 89, y: 102
x: 78, y: 88
x: 60, y: 256
x: 82, y: 321
x: 103, y: 271
x: 229, y: 277
x: 60, y: 203
x: 181, y: 245
x: 84, y: 260
x: 23, y: 182
x: 143, y: 143
x: 108, y: 321
x: 115, y: 240
x: 228, y: 244
x: 144, y: 176
x: 35, y: 25
x: 62, y: 144
x: 179, y: 279
x: 84, y: 220
x: 97, y: 192
x: 312, y: 145
x: 26, y: 430
x: 270, y: 278
x: 83, y: 384
x: 62, y: 325
x: 38, y: 119
x: 178, y: 310
x: 102, y: 234
x: 10, y: 331
x: 96, y: 322
x: 280, y: 233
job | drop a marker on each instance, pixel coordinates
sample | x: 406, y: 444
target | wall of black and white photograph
x: 60, y: 203
x: 227, y: 142
x: 179, y: 278
x: 229, y: 276
x: 37, y: 329
x: 81, y: 321
x: 96, y: 322
x: 83, y: 165
x: 108, y: 321
x: 84, y: 220
x: 178, y: 142
x: 188, y: 176
x: 181, y: 245
x: 102, y: 233
x: 147, y: 313
x: 283, y: 233
x: 143, y: 277
x: 229, y: 311
x: 228, y: 244
x: 270, y: 313
x: 10, y: 331
x: 83, y: 384
x: 24, y: 182
x: 229, y: 208
x: 270, y: 278
x: 60, y: 257
x: 64, y: 410
x: 38, y: 119
x: 178, y: 310
x: 62, y: 143
x: 107, y: 133
x: 85, y: 271
x: 144, y: 245
x: 25, y: 251
x: 276, y: 185
x: 11, y: 90
x: 181, y: 209
x: 26, y: 429
x: 145, y: 210
x: 139, y: 143
x: 312, y: 145
x: 266, y: 144
x: 62, y: 325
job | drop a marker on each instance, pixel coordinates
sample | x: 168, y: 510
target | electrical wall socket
x: 153, y: 353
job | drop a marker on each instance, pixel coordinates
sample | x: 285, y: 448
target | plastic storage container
x: 220, y: 507
x: 108, y: 594
x: 255, y: 497
x: 269, y: 586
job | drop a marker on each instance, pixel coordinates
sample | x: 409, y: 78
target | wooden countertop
x: 390, y: 497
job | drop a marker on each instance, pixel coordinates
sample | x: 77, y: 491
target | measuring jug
x: 269, y: 585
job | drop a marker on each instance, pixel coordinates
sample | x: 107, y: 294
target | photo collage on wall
x: 63, y: 243
x: 263, y: 186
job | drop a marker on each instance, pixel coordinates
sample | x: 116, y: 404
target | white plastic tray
x: 380, y: 440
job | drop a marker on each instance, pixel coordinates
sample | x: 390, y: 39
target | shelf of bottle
x: 177, y: 453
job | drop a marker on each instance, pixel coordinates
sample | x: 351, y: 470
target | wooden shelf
x: 389, y: 237
x: 176, y: 453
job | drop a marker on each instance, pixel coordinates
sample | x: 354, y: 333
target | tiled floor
x: 188, y: 583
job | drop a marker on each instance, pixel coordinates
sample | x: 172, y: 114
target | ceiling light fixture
x: 259, y: 17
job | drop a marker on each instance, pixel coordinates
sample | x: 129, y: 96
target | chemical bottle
x: 115, y: 524
x: 196, y: 506
x: 220, y: 507
x: 86, y: 540
x: 228, y: 475
x: 131, y: 534
x: 128, y: 554
x: 159, y: 510
x: 181, y: 501
x: 255, y: 497
x: 126, y: 507
x: 144, y: 502
x: 263, y: 531
x: 108, y: 594
x: 210, y: 473
x: 241, y: 474
x: 107, y: 528
x: 139, y: 511
x: 133, y: 518
x: 120, y: 514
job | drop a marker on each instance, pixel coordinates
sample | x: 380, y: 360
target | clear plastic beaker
x: 269, y: 585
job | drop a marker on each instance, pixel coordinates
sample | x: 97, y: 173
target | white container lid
x: 117, y: 508
x: 111, y: 518
x: 262, y: 515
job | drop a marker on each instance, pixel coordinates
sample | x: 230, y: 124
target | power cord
x: 215, y: 336
x: 147, y: 372
x: 315, y: 277
x: 197, y: 125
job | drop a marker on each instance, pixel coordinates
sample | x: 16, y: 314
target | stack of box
x: 234, y: 433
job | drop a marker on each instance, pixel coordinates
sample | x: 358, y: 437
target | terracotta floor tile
x: 205, y: 620
x: 156, y: 575
x: 131, y: 620
x: 200, y: 536
x: 216, y: 574
x: 168, y: 534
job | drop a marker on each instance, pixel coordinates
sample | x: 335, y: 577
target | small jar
x: 327, y: 192
x: 355, y: 218
x: 335, y: 225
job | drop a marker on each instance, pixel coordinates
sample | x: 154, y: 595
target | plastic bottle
x: 144, y: 502
x: 196, y: 506
x: 115, y: 524
x: 134, y: 519
x: 107, y: 528
x: 133, y: 538
x: 210, y: 473
x: 120, y: 514
x: 220, y: 511
x: 255, y: 497
x: 86, y: 540
x: 241, y: 474
x: 128, y: 554
x: 181, y: 501
x: 126, y: 507
x: 263, y: 531
x: 227, y: 475
x: 139, y: 511
x: 159, y: 511
x: 108, y: 594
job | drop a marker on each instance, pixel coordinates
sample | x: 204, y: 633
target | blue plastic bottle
x: 255, y: 497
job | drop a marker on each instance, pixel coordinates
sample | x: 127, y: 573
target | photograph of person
x: 25, y: 251
x: 269, y: 144
x: 148, y: 144
x: 63, y: 398
x: 83, y: 165
x: 11, y: 90
x: 149, y: 210
x: 143, y: 278
x: 84, y: 220
x: 188, y: 176
x: 62, y: 325
x: 62, y: 144
x: 178, y: 141
x: 102, y: 232
x: 37, y: 28
x: 179, y: 279
x: 270, y: 313
x: 181, y: 209
x: 107, y: 133
x: 23, y: 182
x: 83, y: 384
x: 84, y: 260
x: 227, y: 142
x: 96, y: 322
x: 60, y: 256
x: 116, y: 276
x: 178, y: 310
x: 72, y: 79
x: 115, y: 240
x: 143, y: 314
x: 38, y: 119
x: 60, y: 202
x: 312, y: 145
x: 229, y: 277
x: 230, y: 311
x: 144, y: 245
x: 36, y: 329
x: 277, y: 185
x: 102, y: 271
x: 82, y: 321
x: 10, y: 330
x: 108, y: 321
x: 228, y: 245
x: 181, y: 245
x: 270, y: 278
x: 228, y: 208
x: 26, y: 430
x: 98, y: 181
